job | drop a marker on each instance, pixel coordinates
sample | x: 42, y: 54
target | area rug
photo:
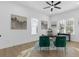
x: 51, y: 47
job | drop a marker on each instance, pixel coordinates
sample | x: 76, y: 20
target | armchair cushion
x: 60, y: 41
x: 44, y: 41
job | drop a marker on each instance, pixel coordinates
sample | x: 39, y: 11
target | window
x: 66, y: 26
x: 34, y: 26
x: 70, y: 26
x: 62, y: 26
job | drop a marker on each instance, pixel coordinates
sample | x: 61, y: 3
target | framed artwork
x: 54, y: 24
x: 44, y: 25
x: 18, y: 22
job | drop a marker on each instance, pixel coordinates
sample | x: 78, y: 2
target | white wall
x: 15, y: 37
x: 67, y: 15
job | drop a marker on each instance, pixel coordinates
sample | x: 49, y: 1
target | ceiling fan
x: 52, y: 5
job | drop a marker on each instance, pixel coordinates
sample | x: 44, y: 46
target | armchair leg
x: 56, y: 51
x: 48, y: 49
x: 65, y: 51
x: 40, y: 48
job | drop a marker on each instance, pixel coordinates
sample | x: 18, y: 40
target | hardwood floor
x: 25, y: 50
x: 15, y: 50
x: 53, y: 53
x: 72, y: 50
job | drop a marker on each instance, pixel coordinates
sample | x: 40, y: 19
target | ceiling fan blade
x: 51, y: 9
x: 48, y: 3
x: 46, y: 7
x: 57, y: 7
x: 57, y: 3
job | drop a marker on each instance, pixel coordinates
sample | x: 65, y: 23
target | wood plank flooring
x: 16, y: 51
x: 72, y: 50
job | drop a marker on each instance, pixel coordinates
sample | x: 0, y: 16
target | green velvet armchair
x: 60, y: 42
x: 44, y: 41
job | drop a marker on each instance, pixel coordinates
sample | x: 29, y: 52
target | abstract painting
x: 18, y: 22
x: 44, y: 25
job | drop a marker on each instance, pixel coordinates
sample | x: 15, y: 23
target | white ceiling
x: 39, y: 5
